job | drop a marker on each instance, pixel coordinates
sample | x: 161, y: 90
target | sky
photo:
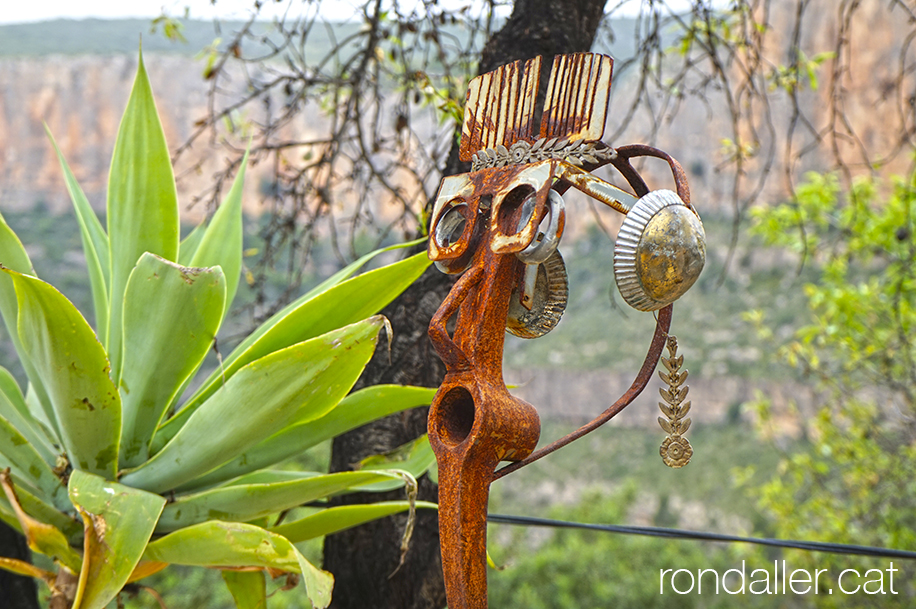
x: 18, y: 11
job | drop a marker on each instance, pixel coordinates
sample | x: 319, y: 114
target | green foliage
x: 105, y: 471
x: 575, y: 569
x: 802, y: 72
x: 863, y: 303
x: 856, y: 482
x: 172, y: 28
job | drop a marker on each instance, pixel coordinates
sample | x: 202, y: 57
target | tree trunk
x: 363, y: 559
x: 17, y: 591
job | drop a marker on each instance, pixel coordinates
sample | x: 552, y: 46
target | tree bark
x: 17, y: 591
x: 364, y: 558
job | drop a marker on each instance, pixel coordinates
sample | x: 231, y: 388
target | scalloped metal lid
x: 550, y: 297
x: 660, y: 251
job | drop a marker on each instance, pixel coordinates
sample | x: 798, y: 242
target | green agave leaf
x: 171, y: 427
x: 13, y: 256
x: 189, y: 244
x: 27, y: 465
x: 171, y: 317
x: 248, y: 588
x: 142, y: 202
x: 119, y: 522
x: 95, y: 244
x: 340, y: 305
x: 341, y: 275
x: 414, y: 457
x: 353, y: 411
x: 42, y: 537
x: 221, y: 243
x: 299, y: 383
x: 268, y: 476
x: 332, y: 520
x: 7, y: 515
x: 246, y: 502
x: 20, y: 567
x: 67, y: 354
x: 43, y: 512
x: 233, y: 544
x: 14, y: 409
x: 37, y: 410
x: 9, y: 388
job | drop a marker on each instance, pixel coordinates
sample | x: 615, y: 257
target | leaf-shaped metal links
x: 675, y: 450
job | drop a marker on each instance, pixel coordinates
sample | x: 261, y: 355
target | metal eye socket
x: 448, y: 232
x: 545, y: 243
x: 451, y: 226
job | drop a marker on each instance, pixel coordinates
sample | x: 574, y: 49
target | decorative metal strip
x: 675, y: 450
x: 521, y: 152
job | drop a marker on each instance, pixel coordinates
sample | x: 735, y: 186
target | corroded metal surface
x: 577, y: 97
x: 500, y: 107
x: 499, y: 226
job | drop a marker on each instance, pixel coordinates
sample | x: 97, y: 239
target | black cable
x: 810, y: 546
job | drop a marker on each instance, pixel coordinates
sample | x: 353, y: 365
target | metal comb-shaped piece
x: 500, y: 109
x: 577, y: 97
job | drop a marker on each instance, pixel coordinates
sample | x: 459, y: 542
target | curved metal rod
x: 639, y: 384
x: 622, y: 164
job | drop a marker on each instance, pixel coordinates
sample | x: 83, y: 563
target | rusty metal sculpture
x: 499, y: 226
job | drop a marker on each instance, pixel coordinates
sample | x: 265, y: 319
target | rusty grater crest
x: 499, y: 115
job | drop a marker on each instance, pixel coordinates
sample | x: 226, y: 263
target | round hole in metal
x: 451, y: 225
x: 511, y: 217
x: 456, y: 416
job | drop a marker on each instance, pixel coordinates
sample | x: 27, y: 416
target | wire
x: 810, y: 546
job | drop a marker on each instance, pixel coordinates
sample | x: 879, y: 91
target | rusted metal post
x: 499, y: 226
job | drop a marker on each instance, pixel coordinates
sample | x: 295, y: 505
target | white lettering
x: 765, y: 581
x: 879, y: 581
x: 740, y: 573
x: 800, y: 580
x: 692, y: 581
x: 715, y: 579
x: 839, y: 581
x: 661, y: 580
x: 817, y: 574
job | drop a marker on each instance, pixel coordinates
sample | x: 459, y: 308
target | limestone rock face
x: 81, y: 98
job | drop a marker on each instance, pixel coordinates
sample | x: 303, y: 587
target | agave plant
x: 107, y: 470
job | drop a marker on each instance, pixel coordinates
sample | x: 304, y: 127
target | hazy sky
x: 17, y: 11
